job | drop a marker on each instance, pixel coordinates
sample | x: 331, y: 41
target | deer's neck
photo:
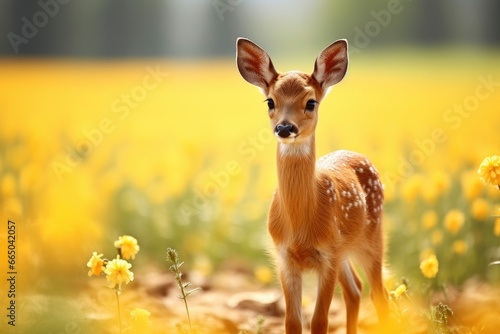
x: 296, y: 181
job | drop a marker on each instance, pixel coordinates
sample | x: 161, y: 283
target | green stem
x: 119, y: 312
x: 183, y: 293
x: 173, y: 257
x: 187, y: 312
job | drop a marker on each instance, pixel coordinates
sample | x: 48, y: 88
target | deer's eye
x: 270, y: 104
x: 310, y: 105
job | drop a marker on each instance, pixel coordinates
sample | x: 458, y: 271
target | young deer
x: 322, y: 211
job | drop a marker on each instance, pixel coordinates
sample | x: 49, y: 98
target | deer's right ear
x: 254, y: 64
x: 331, y: 64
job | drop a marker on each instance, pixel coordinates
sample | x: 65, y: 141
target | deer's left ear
x: 331, y: 64
x: 254, y: 64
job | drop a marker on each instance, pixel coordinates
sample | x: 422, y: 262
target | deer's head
x: 292, y: 97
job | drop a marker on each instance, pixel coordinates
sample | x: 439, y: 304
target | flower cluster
x: 117, y: 271
x: 489, y: 171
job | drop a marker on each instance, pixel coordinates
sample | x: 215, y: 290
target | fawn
x: 322, y: 211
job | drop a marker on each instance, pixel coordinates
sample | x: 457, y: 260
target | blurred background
x: 206, y: 29
x: 129, y: 117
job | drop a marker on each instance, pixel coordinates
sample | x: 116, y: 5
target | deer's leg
x: 379, y: 294
x: 291, y: 282
x: 326, y: 286
x: 372, y: 261
x: 351, y: 289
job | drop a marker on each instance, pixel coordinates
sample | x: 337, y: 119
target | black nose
x: 284, y: 130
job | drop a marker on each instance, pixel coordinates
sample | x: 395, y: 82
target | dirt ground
x: 231, y: 301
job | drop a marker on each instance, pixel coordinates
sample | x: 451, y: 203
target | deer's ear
x: 254, y: 64
x: 331, y: 64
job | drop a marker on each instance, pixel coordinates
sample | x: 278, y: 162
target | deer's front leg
x: 327, y: 277
x: 291, y: 282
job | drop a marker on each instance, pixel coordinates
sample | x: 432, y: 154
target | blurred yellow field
x: 180, y: 153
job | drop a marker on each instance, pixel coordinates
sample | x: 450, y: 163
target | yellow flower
x: 430, y: 266
x: 429, y: 219
x: 436, y: 237
x: 117, y: 272
x: 203, y: 266
x: 139, y: 318
x: 480, y: 209
x: 454, y: 220
x: 12, y: 206
x: 8, y: 185
x: 459, y: 247
x: 412, y: 188
x: 441, y: 181
x: 471, y: 185
x: 128, y: 246
x: 436, y: 184
x: 400, y: 290
x: 95, y: 264
x: 489, y: 170
x: 496, y: 229
x: 426, y: 253
x: 264, y: 274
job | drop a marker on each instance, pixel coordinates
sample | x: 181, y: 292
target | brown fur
x: 322, y: 211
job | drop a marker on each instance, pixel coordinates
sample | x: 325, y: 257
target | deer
x: 325, y: 213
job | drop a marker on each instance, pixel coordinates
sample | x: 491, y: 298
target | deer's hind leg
x: 371, y: 258
x: 351, y: 290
